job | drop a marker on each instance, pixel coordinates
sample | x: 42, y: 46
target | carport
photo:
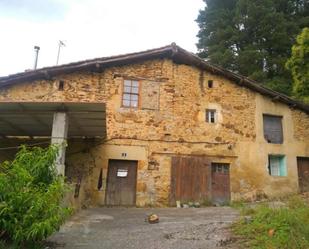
x: 58, y: 121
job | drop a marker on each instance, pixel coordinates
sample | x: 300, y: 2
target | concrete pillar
x: 59, y: 137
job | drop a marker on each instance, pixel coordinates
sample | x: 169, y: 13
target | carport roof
x: 35, y: 119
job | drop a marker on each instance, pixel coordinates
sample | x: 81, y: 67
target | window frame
x: 131, y: 93
x: 279, y: 117
x: 209, y: 118
x: 282, y: 167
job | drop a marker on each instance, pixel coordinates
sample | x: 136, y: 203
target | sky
x: 91, y: 29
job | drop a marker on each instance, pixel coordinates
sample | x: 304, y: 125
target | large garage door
x: 189, y: 179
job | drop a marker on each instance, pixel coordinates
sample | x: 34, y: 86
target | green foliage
x: 290, y: 225
x: 252, y: 37
x: 30, y: 196
x: 299, y: 66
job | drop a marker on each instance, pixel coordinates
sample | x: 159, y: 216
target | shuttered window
x: 273, y: 129
x: 276, y: 165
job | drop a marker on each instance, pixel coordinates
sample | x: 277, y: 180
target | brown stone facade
x: 170, y: 121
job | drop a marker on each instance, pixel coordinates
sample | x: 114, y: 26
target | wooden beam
x: 8, y: 112
x: 34, y: 117
x: 275, y: 98
x: 75, y: 123
x: 16, y: 127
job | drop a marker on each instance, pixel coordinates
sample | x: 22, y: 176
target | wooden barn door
x: 121, y: 183
x: 220, y: 183
x: 303, y: 173
x: 189, y: 179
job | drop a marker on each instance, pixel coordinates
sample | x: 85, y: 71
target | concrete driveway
x: 121, y: 228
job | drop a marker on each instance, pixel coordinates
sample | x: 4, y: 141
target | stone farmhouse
x: 158, y: 126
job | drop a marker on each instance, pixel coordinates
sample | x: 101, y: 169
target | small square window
x: 210, y: 83
x: 222, y: 168
x: 276, y: 165
x: 211, y: 116
x: 61, y: 85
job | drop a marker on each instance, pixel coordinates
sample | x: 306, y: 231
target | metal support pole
x: 60, y: 44
x: 36, y: 50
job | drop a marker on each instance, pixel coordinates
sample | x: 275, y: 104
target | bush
x: 30, y: 196
x: 284, y: 227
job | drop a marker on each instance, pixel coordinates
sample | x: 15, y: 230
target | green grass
x: 290, y: 224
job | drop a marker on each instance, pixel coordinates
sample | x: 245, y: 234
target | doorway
x: 121, y: 183
x: 220, y: 183
x: 303, y: 173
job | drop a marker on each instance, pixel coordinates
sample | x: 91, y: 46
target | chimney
x: 36, y: 51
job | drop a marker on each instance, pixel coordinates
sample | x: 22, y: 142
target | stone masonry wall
x: 301, y: 125
x: 78, y: 87
x: 170, y: 121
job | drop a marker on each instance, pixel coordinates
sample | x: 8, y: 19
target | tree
x: 298, y: 64
x: 217, y: 31
x: 31, y: 194
x: 252, y: 37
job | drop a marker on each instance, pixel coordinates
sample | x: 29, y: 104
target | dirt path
x: 121, y: 228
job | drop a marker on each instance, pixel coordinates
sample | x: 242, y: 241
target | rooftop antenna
x: 36, y: 51
x: 60, y: 45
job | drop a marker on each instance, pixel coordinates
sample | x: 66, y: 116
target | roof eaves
x: 48, y: 72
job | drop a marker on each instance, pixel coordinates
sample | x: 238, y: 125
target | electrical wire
x: 17, y: 147
x: 126, y: 138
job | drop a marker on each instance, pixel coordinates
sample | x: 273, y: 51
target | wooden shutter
x: 273, y: 129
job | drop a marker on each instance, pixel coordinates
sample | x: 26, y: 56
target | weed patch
x: 271, y: 228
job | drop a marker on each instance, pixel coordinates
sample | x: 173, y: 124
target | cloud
x: 33, y: 10
x: 94, y: 28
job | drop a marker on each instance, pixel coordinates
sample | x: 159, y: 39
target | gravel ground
x: 120, y: 228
